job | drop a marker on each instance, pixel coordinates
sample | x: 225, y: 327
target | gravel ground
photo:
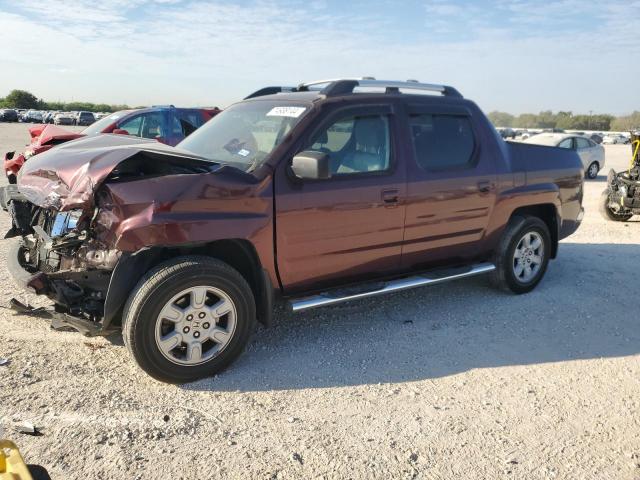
x: 452, y: 381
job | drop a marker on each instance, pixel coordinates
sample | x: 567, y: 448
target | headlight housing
x: 65, y: 222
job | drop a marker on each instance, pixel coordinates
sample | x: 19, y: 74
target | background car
x: 507, y: 133
x: 32, y: 116
x: 596, y: 137
x: 614, y: 139
x: 168, y: 125
x: 8, y: 115
x: 63, y: 118
x: 591, y: 154
x: 85, y: 118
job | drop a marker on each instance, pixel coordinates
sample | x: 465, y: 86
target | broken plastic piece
x: 29, y: 428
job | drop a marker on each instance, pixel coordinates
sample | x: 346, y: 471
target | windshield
x: 97, y: 127
x: 246, y: 133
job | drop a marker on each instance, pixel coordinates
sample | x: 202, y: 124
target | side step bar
x: 429, y: 278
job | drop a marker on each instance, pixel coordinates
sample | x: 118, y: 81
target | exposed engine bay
x: 68, y: 264
x: 68, y: 220
x: 621, y: 199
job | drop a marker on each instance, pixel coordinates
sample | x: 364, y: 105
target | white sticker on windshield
x: 244, y: 152
x: 293, y: 112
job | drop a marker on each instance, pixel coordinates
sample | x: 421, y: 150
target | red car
x: 168, y: 125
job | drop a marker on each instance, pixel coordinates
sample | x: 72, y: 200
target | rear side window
x: 442, y: 142
x: 567, y: 143
x: 583, y: 143
x: 185, y: 122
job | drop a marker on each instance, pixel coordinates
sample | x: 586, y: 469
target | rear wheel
x: 188, y: 318
x: 523, y: 254
x: 592, y: 171
x: 616, y: 214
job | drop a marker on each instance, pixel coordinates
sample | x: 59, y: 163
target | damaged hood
x: 43, y: 134
x: 67, y: 176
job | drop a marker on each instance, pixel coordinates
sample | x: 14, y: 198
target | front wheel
x: 188, y: 318
x: 523, y: 254
x: 616, y: 214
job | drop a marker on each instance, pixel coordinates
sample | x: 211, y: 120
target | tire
x: 609, y: 214
x: 144, y: 327
x: 505, y: 276
x: 592, y: 170
x: 15, y: 254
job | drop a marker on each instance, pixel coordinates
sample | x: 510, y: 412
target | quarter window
x: 442, y: 142
x: 356, y: 144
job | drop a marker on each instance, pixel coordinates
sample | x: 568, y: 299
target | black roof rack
x: 269, y: 91
x: 343, y: 86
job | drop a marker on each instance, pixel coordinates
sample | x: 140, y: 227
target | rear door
x: 586, y: 150
x: 451, y: 188
x: 348, y: 228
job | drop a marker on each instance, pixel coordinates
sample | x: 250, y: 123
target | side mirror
x: 120, y: 131
x: 311, y: 165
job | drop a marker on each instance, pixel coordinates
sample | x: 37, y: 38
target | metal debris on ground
x: 4, y: 361
x: 19, y: 307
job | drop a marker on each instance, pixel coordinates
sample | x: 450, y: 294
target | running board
x: 428, y: 278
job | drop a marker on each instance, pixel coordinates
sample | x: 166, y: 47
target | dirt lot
x: 453, y: 381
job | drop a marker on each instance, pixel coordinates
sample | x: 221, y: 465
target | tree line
x: 567, y: 121
x: 24, y: 99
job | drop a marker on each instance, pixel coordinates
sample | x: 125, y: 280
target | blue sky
x: 510, y: 55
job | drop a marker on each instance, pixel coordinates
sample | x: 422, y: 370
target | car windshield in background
x: 245, y: 134
x: 97, y: 127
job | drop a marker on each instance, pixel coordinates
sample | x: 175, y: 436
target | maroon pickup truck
x: 332, y: 191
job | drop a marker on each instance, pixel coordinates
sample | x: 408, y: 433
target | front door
x: 347, y: 228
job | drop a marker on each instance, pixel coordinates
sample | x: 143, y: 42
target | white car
x: 614, y: 139
x: 591, y: 154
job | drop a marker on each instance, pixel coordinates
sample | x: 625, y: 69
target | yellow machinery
x: 12, y: 467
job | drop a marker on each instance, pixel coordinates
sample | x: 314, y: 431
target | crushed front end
x: 59, y: 256
x: 622, y: 197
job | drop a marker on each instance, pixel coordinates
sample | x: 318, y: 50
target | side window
x: 566, y: 143
x: 442, y: 142
x: 356, y: 144
x: 582, y: 143
x: 153, y: 125
x: 132, y: 125
x: 185, y: 122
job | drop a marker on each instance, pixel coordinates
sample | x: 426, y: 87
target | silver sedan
x: 591, y: 154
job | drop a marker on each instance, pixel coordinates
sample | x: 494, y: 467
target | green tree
x: 501, y: 119
x: 526, y: 120
x: 22, y: 99
x: 626, y: 123
x: 546, y: 119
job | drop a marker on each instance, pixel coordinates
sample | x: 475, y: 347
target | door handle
x: 390, y: 198
x: 485, y: 186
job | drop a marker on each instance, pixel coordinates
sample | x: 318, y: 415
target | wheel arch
x: 237, y: 253
x: 548, y: 213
